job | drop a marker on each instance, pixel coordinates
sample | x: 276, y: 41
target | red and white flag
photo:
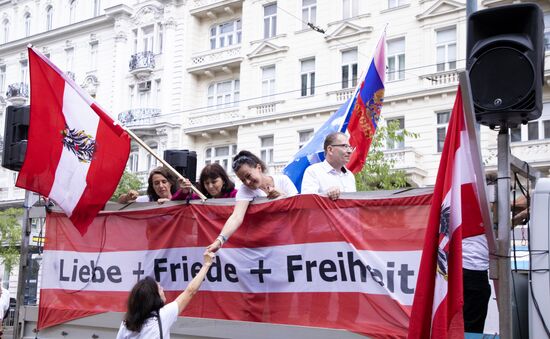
x: 76, y: 154
x: 454, y: 214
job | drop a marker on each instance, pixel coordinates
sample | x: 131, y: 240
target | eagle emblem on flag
x: 443, y: 248
x: 79, y: 143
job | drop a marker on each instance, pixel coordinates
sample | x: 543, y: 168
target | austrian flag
x: 76, y: 154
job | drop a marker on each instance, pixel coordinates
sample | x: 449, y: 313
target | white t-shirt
x: 475, y: 253
x: 4, y: 302
x: 282, y: 183
x: 319, y: 177
x: 150, y: 329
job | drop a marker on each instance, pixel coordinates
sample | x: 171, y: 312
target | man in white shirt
x: 331, y: 177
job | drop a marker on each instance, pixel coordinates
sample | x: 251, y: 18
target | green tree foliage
x: 129, y: 181
x: 378, y: 172
x: 10, y: 233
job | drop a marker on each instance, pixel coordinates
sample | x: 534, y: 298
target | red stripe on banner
x: 100, y: 187
x: 372, y: 315
x: 44, y: 144
x: 297, y: 220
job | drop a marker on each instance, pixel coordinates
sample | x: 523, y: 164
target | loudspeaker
x: 183, y: 161
x: 16, y: 130
x: 505, y: 58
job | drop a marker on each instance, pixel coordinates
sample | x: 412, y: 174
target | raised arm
x: 231, y: 225
x: 185, y: 297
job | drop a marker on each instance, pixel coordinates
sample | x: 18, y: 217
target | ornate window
x: 225, y: 34
x: 307, y: 77
x: 266, y: 148
x: 268, y: 83
x: 222, y: 155
x: 309, y: 12
x: 270, y: 20
x: 445, y: 49
x: 349, y: 68
x: 224, y: 94
x: 396, y: 59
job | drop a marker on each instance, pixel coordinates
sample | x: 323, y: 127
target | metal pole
x: 23, y: 263
x: 162, y: 161
x: 471, y: 6
x: 504, y: 297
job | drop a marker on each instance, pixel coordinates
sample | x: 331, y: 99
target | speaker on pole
x: 183, y: 161
x: 505, y: 59
x: 16, y: 129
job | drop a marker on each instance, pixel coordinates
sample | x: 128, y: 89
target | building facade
x: 218, y: 76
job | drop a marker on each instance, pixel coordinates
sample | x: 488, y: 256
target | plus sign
x: 139, y: 271
x: 260, y: 271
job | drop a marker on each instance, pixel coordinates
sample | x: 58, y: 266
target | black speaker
x: 16, y: 130
x: 183, y: 161
x: 505, y: 58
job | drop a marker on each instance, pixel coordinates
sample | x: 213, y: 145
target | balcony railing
x: 213, y: 117
x: 446, y: 78
x: 18, y: 93
x: 216, y: 59
x: 142, y: 63
x: 534, y: 152
x: 139, y: 116
x: 410, y: 161
x: 266, y: 108
x: 341, y: 95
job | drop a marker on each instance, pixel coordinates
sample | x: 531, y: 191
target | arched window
x: 72, y: 11
x: 49, y: 18
x: 5, y: 31
x: 27, y: 17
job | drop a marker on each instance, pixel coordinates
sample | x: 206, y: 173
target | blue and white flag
x: 366, y: 102
x: 313, y: 151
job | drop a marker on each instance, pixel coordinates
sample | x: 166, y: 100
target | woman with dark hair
x: 256, y: 183
x: 213, y: 183
x: 162, y: 184
x: 148, y: 315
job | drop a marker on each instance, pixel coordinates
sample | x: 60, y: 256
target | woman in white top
x: 256, y: 183
x: 147, y: 312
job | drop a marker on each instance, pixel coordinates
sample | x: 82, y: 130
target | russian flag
x: 358, y: 116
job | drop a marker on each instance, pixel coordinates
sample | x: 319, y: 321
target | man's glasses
x: 346, y: 146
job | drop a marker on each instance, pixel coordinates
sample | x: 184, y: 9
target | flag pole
x: 164, y: 163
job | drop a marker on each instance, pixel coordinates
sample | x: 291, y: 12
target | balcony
x: 17, y: 93
x: 534, y: 152
x: 440, y: 79
x: 410, y: 161
x: 211, y: 61
x: 142, y: 64
x: 214, y: 8
x: 213, y: 119
x: 341, y: 95
x: 136, y: 117
x: 265, y: 108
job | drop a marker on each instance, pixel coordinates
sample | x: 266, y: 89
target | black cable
x: 514, y: 250
x: 535, y: 302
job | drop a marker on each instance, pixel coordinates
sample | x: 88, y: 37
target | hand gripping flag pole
x: 164, y: 163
